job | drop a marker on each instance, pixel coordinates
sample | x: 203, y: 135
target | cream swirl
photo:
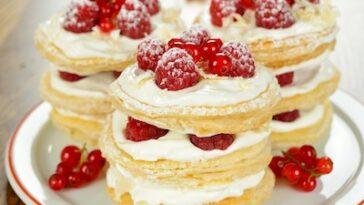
x: 145, y: 191
x: 177, y: 146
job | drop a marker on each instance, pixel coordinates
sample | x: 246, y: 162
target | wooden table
x: 21, y: 67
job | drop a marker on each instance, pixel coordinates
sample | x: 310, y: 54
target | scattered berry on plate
x: 81, y: 16
x: 196, y: 35
x: 301, y: 167
x: 70, y: 77
x: 243, y: 64
x: 273, y: 14
x: 176, y: 70
x: 74, y: 170
x: 289, y: 116
x: 219, y: 142
x: 149, y: 52
x: 141, y: 131
x: 285, y: 79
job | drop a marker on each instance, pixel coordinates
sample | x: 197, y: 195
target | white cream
x: 306, y: 119
x: 95, y: 44
x: 147, y: 192
x: 95, y: 118
x: 307, y: 80
x: 177, y: 146
x: 140, y: 85
x: 95, y: 85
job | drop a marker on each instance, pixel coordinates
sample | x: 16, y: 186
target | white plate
x: 33, y: 152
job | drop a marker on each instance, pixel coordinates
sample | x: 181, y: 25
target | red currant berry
x: 210, y: 48
x: 57, y: 182
x: 71, y: 155
x: 90, y: 171
x: 292, y: 152
x: 292, y: 172
x: 106, y: 10
x: 307, y: 155
x: 324, y: 165
x: 75, y: 180
x: 175, y: 43
x: 64, y: 169
x: 307, y: 184
x: 220, y: 65
x: 96, y: 157
x: 276, y: 165
x: 106, y: 25
x: 194, y: 50
x: 248, y: 4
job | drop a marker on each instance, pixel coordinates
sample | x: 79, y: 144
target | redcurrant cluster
x: 301, y: 167
x: 73, y: 171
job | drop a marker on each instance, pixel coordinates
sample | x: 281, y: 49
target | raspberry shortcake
x: 88, y: 45
x: 191, y: 124
x: 293, y: 38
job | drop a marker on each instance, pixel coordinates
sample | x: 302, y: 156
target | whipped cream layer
x: 307, y: 118
x: 177, y: 146
x: 94, y: 118
x: 306, y: 80
x: 147, y: 192
x: 114, y: 46
x: 220, y: 91
x: 95, y: 85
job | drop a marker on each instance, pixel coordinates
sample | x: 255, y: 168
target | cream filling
x: 95, y: 44
x: 177, y: 146
x: 94, y: 118
x: 95, y: 85
x: 307, y: 80
x: 146, y: 192
x: 307, y: 118
x: 220, y: 91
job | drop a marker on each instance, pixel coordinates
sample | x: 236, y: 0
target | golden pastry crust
x: 77, y: 104
x: 81, y: 66
x: 254, y: 196
x: 311, y: 98
x: 313, y: 134
x: 246, y: 116
x: 241, y: 163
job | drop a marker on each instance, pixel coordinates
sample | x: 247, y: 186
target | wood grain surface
x: 21, y: 66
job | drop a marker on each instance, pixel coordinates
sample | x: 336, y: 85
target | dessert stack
x: 88, y: 45
x: 191, y: 127
x: 293, y: 38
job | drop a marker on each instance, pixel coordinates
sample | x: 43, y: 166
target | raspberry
x: 196, y: 35
x: 176, y: 70
x: 285, y: 79
x: 134, y: 20
x: 220, y: 141
x: 152, y: 6
x: 274, y: 14
x: 149, y: 53
x: 140, y: 131
x: 70, y: 77
x: 220, y: 9
x: 287, y: 116
x: 241, y: 59
x: 81, y: 16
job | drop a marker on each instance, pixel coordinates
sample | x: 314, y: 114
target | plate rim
x: 28, y: 197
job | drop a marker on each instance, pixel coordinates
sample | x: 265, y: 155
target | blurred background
x: 21, y: 66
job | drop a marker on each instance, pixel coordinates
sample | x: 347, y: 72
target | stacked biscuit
x: 294, y: 40
x: 88, y: 45
x: 184, y: 134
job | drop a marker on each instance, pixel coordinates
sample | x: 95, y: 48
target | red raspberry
x: 220, y: 141
x: 196, y: 35
x: 274, y: 14
x: 285, y: 79
x: 287, y: 116
x: 241, y: 59
x: 134, y: 20
x: 176, y: 70
x: 220, y: 9
x: 81, y: 16
x: 70, y: 77
x: 152, y: 6
x: 149, y: 53
x: 140, y: 131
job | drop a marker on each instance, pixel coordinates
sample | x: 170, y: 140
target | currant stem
x: 310, y: 171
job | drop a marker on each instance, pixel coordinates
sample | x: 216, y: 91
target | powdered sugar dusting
x: 225, y: 7
x: 149, y: 53
x: 274, y: 14
x: 81, y: 16
x: 196, y: 34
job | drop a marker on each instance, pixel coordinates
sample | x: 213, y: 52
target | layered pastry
x: 293, y: 38
x: 88, y: 45
x: 191, y: 125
